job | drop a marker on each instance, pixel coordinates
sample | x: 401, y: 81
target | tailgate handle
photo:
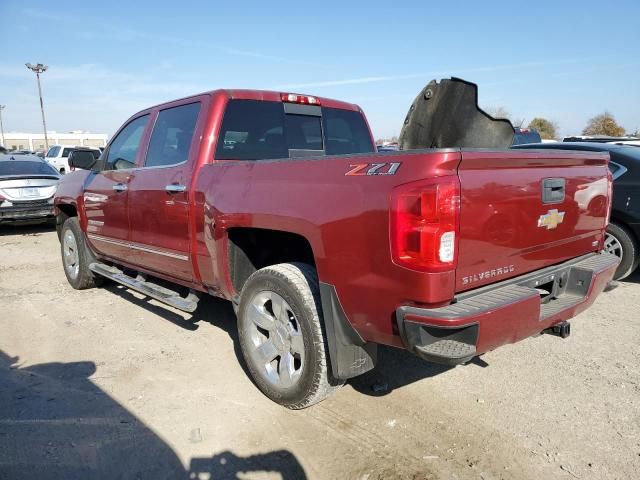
x: 553, y: 190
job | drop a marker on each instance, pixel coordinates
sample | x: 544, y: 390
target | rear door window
x: 172, y: 136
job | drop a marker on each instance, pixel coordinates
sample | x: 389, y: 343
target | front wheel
x: 281, y: 335
x: 76, y: 256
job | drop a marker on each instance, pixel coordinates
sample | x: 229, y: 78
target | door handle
x: 119, y: 187
x: 175, y: 188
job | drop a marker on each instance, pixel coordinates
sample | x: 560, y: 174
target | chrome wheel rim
x: 276, y: 346
x: 612, y: 245
x: 70, y: 254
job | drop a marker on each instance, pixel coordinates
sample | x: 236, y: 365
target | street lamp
x: 2, y: 107
x: 38, y: 69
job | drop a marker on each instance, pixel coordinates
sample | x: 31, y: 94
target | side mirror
x: 83, y: 159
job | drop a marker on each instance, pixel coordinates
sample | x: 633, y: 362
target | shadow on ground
x: 396, y: 368
x: 55, y: 423
x: 26, y: 229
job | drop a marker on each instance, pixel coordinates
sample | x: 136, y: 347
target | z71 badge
x: 374, y: 168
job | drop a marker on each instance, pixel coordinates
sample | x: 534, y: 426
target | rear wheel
x: 619, y: 242
x: 76, y: 256
x: 281, y: 335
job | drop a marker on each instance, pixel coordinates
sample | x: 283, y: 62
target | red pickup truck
x: 279, y: 203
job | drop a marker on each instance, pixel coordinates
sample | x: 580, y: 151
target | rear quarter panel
x: 345, y: 218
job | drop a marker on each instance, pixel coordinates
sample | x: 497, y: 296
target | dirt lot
x: 106, y: 384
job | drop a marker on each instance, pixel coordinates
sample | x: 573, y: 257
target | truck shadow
x: 395, y: 368
x: 216, y: 311
x: 55, y: 423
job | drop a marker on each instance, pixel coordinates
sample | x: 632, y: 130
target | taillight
x: 302, y: 99
x: 424, y: 224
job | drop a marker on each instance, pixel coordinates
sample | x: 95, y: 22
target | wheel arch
x: 63, y: 212
x: 250, y: 249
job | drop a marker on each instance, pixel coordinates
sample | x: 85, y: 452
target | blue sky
x: 566, y: 61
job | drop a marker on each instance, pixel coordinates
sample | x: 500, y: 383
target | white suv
x: 58, y: 156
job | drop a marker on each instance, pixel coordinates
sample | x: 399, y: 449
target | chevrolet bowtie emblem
x: 551, y: 219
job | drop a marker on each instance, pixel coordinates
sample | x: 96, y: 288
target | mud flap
x: 349, y: 354
x: 447, y: 115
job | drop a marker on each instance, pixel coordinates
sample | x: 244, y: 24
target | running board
x: 139, y: 284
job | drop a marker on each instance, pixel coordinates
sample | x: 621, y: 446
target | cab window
x: 172, y: 136
x: 124, y: 148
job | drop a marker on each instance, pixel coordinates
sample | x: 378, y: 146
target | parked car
x: 387, y: 148
x: 279, y: 203
x: 27, y: 185
x: 597, y: 139
x: 633, y: 143
x: 58, y: 156
x: 526, y: 135
x: 623, y: 233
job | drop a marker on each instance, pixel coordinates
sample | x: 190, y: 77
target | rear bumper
x: 483, y: 319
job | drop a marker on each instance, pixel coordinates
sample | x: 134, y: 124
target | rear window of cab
x: 261, y: 130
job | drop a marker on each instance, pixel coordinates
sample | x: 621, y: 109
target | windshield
x: 19, y: 167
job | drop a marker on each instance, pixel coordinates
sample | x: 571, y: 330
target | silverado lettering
x: 496, y: 272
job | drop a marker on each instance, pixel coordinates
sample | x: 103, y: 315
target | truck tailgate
x: 522, y: 211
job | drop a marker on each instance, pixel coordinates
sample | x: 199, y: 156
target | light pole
x: 38, y: 69
x: 2, y: 107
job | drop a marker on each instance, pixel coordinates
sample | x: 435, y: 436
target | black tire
x: 297, y: 285
x: 81, y: 277
x: 628, y: 250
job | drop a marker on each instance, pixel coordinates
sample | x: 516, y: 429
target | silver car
x: 27, y: 185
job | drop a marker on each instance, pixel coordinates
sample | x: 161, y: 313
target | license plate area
x: 560, y: 289
x: 550, y: 286
x: 28, y: 192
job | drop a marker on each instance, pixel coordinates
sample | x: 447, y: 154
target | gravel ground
x: 107, y: 384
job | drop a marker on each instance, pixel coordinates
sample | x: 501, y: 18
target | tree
x: 546, y: 128
x: 603, y: 124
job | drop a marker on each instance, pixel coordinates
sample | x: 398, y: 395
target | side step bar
x: 139, y: 284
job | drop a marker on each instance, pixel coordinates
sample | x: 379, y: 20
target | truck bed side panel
x: 345, y: 218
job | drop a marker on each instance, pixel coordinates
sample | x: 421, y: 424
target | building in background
x: 35, y: 141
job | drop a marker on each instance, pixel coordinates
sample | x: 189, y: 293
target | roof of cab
x: 264, y: 95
